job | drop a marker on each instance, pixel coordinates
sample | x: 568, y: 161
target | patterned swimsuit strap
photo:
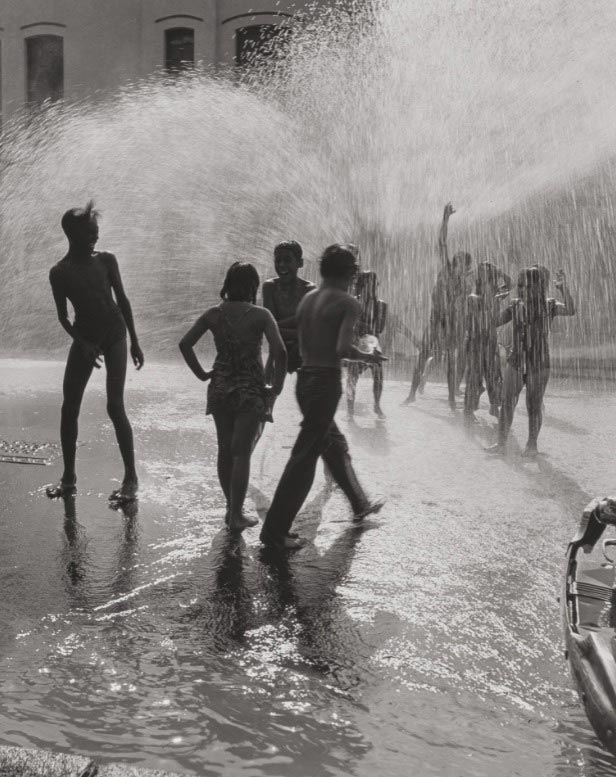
x: 229, y: 326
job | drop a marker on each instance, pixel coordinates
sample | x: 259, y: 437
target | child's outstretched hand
x: 136, y: 355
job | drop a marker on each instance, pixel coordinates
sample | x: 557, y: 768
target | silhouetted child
x: 326, y: 323
x: 446, y: 329
x: 89, y: 280
x: 531, y: 315
x: 282, y: 295
x: 238, y: 397
x: 370, y: 325
x: 483, y: 359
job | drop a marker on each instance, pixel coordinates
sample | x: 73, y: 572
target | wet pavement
x: 427, y: 641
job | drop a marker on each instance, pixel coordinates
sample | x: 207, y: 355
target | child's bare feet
x: 238, y: 523
x: 61, y: 489
x: 127, y: 491
x: 287, y: 542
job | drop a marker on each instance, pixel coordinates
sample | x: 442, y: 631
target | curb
x: 22, y: 762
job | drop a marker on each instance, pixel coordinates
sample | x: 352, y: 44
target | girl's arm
x: 126, y: 310
x: 277, y: 359
x: 188, y: 342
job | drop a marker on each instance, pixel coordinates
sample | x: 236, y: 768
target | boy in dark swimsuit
x: 282, y: 295
x: 326, y: 321
x: 370, y: 325
x: 89, y: 280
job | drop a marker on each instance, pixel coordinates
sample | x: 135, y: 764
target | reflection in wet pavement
x: 427, y: 641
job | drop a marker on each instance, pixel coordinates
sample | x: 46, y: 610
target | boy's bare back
x: 326, y: 318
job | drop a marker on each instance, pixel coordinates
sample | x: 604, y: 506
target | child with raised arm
x: 238, y: 397
x: 531, y: 315
x: 326, y: 327
x: 282, y: 295
x: 447, y: 315
x: 89, y: 280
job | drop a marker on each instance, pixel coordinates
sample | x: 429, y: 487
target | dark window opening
x: 257, y: 43
x: 179, y: 49
x: 44, y: 68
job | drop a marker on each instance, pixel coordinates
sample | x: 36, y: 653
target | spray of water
x: 374, y: 119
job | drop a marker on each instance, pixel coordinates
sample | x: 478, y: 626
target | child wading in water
x: 282, y: 295
x: 447, y: 315
x: 238, y: 396
x: 531, y: 315
x: 89, y: 279
x: 483, y: 359
x: 370, y: 325
x: 326, y: 323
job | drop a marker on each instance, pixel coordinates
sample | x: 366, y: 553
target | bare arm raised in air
x: 442, y: 235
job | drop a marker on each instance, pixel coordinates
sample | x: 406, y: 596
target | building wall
x: 108, y: 43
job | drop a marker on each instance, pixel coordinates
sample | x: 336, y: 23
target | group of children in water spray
x: 311, y: 331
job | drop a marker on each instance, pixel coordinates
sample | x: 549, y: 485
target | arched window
x: 255, y: 42
x: 44, y: 68
x: 179, y: 49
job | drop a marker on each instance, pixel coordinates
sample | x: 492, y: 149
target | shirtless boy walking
x: 326, y: 321
x: 89, y: 279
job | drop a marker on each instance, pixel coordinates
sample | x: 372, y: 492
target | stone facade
x: 76, y: 49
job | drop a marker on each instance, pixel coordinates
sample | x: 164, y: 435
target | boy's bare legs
x: 536, y: 382
x: 422, y: 360
x: 115, y: 363
x: 513, y: 383
x: 377, y: 388
x: 473, y: 383
x: 76, y: 376
x: 452, y: 381
x: 351, y: 386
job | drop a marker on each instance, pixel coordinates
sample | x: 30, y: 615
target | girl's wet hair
x: 293, y: 247
x: 241, y: 283
x: 76, y: 218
